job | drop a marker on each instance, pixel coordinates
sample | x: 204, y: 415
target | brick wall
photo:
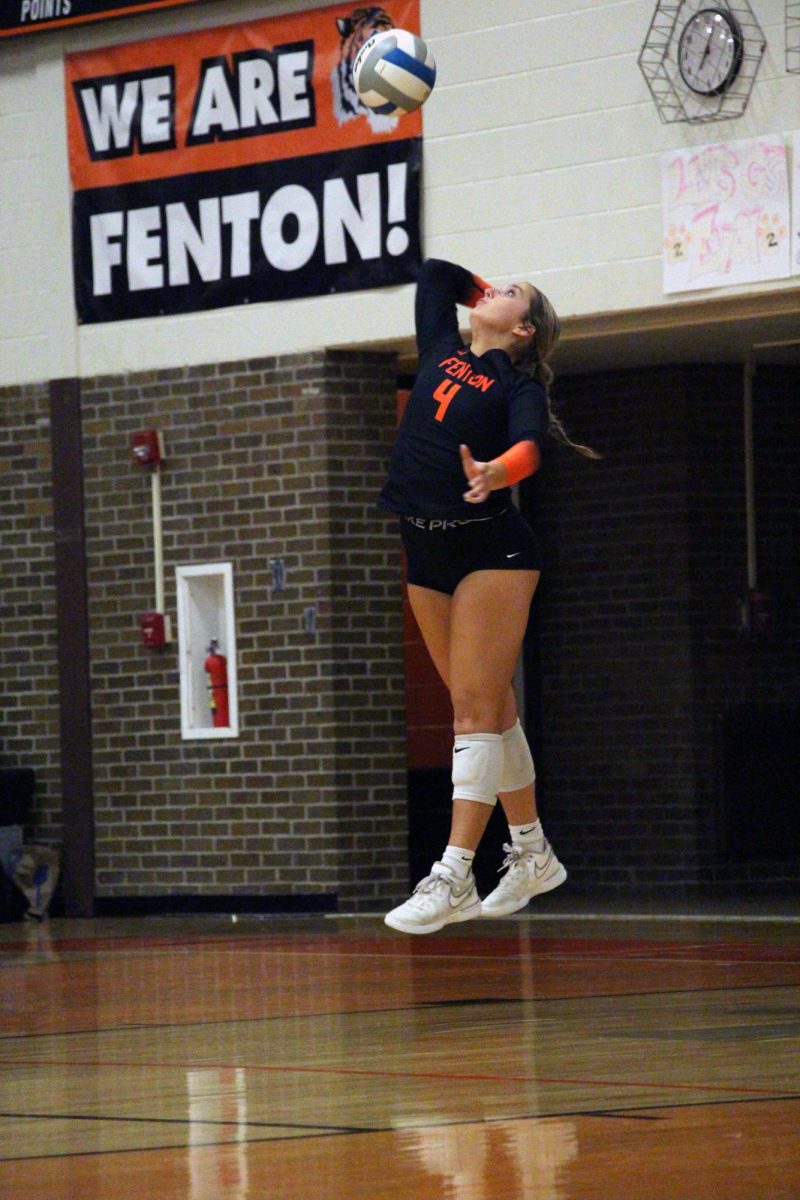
x: 616, y: 766
x: 365, y: 646
x: 29, y: 715
x: 272, y: 458
x: 429, y: 713
x: 637, y: 615
x: 635, y: 626
x: 735, y: 671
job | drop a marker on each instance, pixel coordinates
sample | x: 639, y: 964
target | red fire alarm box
x: 154, y: 629
x: 147, y: 447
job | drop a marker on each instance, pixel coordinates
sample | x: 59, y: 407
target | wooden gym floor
x: 548, y: 1057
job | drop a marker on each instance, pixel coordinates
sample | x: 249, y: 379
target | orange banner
x: 226, y: 97
x: 233, y: 165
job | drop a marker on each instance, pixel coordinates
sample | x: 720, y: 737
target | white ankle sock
x: 459, y: 861
x: 530, y: 836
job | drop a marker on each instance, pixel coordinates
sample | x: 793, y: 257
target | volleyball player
x: 474, y: 425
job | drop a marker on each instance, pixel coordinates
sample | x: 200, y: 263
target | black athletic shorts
x: 440, y: 553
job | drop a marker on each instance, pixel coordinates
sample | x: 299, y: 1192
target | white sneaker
x: 437, y: 900
x: 530, y: 872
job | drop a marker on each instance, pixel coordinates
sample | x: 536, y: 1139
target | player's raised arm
x: 441, y: 286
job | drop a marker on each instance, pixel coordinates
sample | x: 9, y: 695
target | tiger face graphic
x: 354, y: 31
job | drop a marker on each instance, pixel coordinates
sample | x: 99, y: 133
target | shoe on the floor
x: 437, y: 900
x: 528, y: 874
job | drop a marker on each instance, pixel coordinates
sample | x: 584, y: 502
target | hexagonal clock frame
x: 658, y: 62
x: 793, y: 37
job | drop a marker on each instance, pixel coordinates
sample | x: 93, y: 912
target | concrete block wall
x: 542, y: 160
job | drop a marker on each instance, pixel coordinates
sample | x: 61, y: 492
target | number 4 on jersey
x: 444, y: 394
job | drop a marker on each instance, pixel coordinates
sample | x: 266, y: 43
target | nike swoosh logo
x: 458, y: 749
x: 514, y: 555
x: 539, y: 872
x: 524, y: 831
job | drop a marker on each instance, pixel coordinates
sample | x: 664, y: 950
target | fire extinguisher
x: 216, y: 666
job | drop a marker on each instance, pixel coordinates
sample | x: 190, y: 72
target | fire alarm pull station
x: 147, y: 447
x: 153, y: 627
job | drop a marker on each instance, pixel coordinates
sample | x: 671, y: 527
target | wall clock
x: 700, y: 59
x: 710, y: 50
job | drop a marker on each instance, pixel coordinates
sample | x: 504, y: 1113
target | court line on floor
x: 482, y: 946
x: 555, y: 956
x: 67, y: 942
x: 626, y: 1115
x: 698, y: 918
x: 122, y: 1118
x: 365, y: 1012
x: 578, y: 1114
x: 731, y: 919
x: 533, y: 956
x: 183, y: 1146
x: 374, y: 1073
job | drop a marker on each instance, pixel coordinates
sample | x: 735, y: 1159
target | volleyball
x: 394, y: 72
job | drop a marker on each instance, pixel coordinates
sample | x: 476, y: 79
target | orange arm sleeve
x: 476, y: 294
x: 520, y: 461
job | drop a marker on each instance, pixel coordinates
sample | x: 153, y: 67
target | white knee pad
x: 477, y: 766
x: 518, y: 768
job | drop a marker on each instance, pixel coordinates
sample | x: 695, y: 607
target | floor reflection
x: 517, y: 1160
x: 217, y: 1107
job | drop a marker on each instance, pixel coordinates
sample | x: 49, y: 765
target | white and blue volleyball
x: 394, y: 72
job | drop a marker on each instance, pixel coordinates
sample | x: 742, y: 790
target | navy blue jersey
x: 482, y: 401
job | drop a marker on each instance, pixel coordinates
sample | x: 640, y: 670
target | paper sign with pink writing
x: 726, y: 214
